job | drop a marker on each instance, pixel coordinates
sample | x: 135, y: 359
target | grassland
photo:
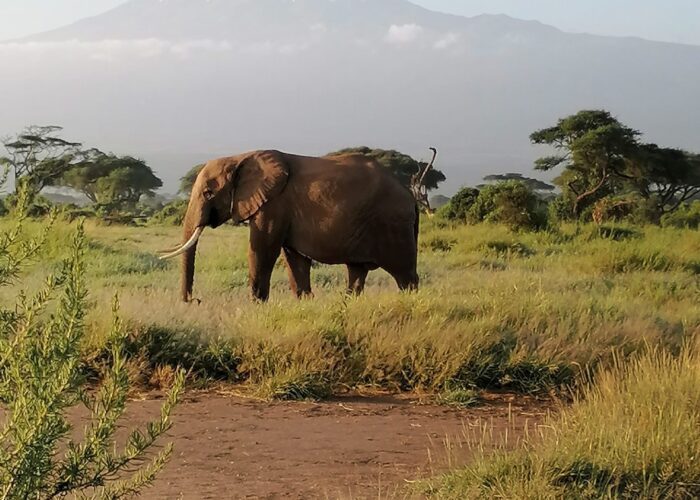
x: 635, y: 433
x: 607, y: 316
x: 528, y: 312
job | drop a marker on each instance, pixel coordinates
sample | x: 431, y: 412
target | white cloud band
x: 403, y: 34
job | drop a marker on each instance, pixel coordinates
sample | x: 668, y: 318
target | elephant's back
x: 344, y: 208
x: 338, y: 176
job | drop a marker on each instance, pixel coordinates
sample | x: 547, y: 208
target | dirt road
x: 347, y: 448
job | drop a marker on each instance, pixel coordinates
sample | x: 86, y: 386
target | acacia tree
x: 534, y: 185
x: 39, y: 156
x: 187, y: 180
x: 593, y: 148
x: 671, y: 177
x: 110, y: 179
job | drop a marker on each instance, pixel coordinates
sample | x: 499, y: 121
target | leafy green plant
x: 41, y: 378
x: 171, y: 214
x: 458, y: 207
x: 687, y: 216
x: 510, y: 203
x: 294, y: 386
x: 459, y: 397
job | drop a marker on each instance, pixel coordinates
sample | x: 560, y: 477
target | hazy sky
x: 667, y: 20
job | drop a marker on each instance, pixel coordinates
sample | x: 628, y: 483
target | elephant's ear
x: 259, y: 178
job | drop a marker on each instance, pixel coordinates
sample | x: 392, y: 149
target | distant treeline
x: 607, y: 174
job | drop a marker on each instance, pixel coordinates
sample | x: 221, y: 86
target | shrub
x: 171, y: 214
x: 686, y: 216
x: 459, y: 397
x: 458, y: 207
x: 630, y: 207
x: 37, y: 207
x: 510, y: 203
x: 41, y: 379
x: 71, y: 214
x: 441, y: 244
x: 560, y: 209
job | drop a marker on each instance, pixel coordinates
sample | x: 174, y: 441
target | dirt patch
x: 346, y: 448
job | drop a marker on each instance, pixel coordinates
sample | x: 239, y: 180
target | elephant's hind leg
x: 299, y: 271
x: 404, y: 272
x: 357, y: 274
x: 407, y: 280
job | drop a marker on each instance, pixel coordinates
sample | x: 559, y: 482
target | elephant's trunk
x: 188, y: 258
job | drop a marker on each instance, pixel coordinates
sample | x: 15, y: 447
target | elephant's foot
x: 304, y: 295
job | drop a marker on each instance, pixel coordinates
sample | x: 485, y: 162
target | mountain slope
x: 243, y: 20
x: 178, y: 81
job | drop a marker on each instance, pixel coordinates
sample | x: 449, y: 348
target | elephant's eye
x: 208, y: 194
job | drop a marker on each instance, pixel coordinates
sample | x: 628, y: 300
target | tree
x: 401, y: 165
x: 535, y: 185
x: 110, y: 179
x: 671, y: 177
x: 39, y: 156
x: 593, y: 148
x: 188, y: 180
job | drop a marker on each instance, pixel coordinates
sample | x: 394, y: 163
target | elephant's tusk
x: 170, y: 250
x: 192, y: 242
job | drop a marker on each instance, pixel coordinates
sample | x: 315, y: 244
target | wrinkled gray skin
x: 334, y: 210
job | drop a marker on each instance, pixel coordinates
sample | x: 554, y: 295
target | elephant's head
x: 226, y: 189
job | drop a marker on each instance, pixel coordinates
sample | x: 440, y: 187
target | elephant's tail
x: 416, y: 226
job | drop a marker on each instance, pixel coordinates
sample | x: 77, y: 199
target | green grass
x: 459, y: 397
x: 497, y: 309
x: 635, y: 433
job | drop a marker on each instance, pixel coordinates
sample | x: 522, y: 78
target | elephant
x: 343, y: 209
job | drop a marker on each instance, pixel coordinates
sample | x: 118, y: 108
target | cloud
x: 406, y: 33
x: 110, y: 49
x: 446, y: 41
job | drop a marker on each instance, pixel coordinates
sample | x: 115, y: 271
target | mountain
x: 263, y: 20
x: 180, y: 81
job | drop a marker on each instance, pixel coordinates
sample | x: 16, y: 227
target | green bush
x: 71, y: 214
x: 171, y: 214
x: 685, y: 217
x: 458, y: 207
x: 4, y: 210
x: 37, y: 207
x: 628, y: 207
x: 510, y: 203
x: 559, y: 210
x: 41, y: 379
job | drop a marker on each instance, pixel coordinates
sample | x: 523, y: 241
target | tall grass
x: 524, y: 311
x: 635, y: 433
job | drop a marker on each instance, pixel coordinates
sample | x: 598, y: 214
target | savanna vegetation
x: 588, y: 294
x: 43, y: 376
x: 529, y: 311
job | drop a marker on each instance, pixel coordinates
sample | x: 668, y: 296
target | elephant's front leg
x: 264, y: 250
x: 299, y: 270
